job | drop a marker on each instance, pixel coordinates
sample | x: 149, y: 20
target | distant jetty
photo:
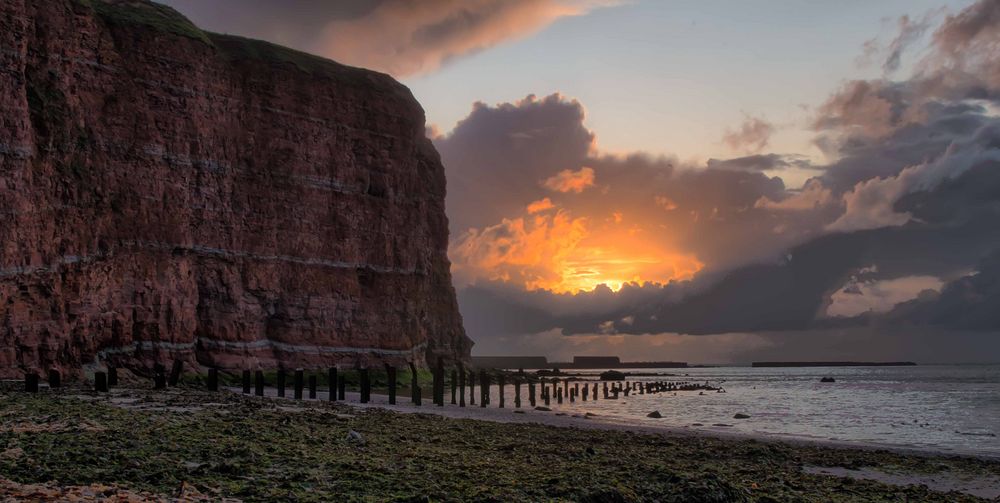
x: 579, y: 362
x: 833, y: 364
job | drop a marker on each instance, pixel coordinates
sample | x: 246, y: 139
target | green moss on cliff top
x: 237, y: 49
x: 146, y: 13
x: 233, y: 48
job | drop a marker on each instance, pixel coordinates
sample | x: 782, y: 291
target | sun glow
x: 552, y: 250
x: 588, y: 268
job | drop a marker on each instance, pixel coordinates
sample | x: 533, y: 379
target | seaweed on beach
x: 255, y: 449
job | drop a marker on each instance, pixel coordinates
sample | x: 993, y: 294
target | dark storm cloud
x: 967, y: 303
x: 496, y: 158
x: 759, y: 162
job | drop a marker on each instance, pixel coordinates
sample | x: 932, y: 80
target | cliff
x: 171, y: 193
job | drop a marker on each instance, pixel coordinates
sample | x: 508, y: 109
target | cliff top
x: 165, y: 19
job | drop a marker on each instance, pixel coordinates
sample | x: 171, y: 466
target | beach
x: 189, y: 445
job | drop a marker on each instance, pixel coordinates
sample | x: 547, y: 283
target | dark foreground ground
x: 188, y: 445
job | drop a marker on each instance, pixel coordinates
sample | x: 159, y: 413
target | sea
x: 935, y: 408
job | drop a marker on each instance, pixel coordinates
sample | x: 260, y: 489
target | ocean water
x: 945, y: 408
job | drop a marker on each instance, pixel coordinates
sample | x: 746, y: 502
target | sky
x: 716, y: 182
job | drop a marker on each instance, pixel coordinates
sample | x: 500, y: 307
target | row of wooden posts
x: 547, y: 391
x: 103, y: 380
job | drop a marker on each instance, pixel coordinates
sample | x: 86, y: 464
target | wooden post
x: 454, y: 387
x: 461, y: 385
x: 586, y: 389
x: 175, y: 372
x: 246, y: 382
x: 390, y: 373
x: 559, y: 396
x: 500, y: 386
x: 160, y: 377
x: 112, y: 376
x: 605, y: 390
x: 258, y: 377
x: 299, y: 383
x: 312, y: 386
x: 545, y: 395
x: 517, y: 393
x: 531, y: 393
x: 414, y: 392
x: 366, y: 385
x: 341, y: 388
x: 642, y: 389
x: 331, y: 384
x: 55, y: 379
x: 213, y: 379
x: 280, y: 382
x: 440, y: 369
x: 101, y: 382
x: 472, y: 387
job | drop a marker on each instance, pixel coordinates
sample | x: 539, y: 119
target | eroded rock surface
x: 166, y: 192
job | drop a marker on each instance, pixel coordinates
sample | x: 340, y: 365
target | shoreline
x: 191, y: 445
x: 575, y: 419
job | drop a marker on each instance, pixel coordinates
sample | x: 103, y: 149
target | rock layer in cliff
x: 171, y: 193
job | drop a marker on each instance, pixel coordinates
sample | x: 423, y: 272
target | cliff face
x: 166, y: 192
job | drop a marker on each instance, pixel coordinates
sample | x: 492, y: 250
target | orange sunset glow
x: 550, y: 249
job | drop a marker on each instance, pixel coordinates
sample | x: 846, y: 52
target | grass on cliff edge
x: 228, y: 445
x: 146, y: 13
x: 233, y: 48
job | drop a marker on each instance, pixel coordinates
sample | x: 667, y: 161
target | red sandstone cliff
x: 165, y: 192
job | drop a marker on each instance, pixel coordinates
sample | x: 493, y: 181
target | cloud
x: 884, y: 236
x: 860, y: 297
x: 400, y: 37
x: 872, y: 203
x: 647, y: 218
x: 665, y: 202
x: 965, y: 52
x: 540, y: 205
x: 496, y: 156
x: 967, y: 303
x: 909, y: 31
x: 532, y: 251
x: 870, y: 108
x: 759, y: 162
x: 752, y: 136
x: 570, y: 181
x: 813, y: 196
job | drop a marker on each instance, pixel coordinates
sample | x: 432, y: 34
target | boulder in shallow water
x: 827, y: 379
x: 740, y: 415
x: 612, y: 375
x: 655, y: 414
